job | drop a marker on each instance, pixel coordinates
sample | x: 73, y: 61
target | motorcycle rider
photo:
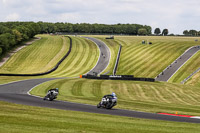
x: 113, y: 98
x: 54, y: 92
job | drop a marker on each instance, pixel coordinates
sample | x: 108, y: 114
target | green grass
x: 187, y: 69
x: 41, y: 56
x: 82, y: 59
x: 194, y: 80
x: 141, y: 96
x: 28, y: 119
x: 149, y: 60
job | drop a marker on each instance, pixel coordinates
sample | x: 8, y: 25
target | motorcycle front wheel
x: 99, y: 105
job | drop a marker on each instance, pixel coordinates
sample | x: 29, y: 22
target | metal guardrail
x: 186, y: 79
x: 117, y: 60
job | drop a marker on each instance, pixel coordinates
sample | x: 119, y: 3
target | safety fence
x: 118, y: 77
x: 117, y: 60
x: 186, y: 79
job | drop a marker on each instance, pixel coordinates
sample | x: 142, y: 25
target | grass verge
x: 28, y: 119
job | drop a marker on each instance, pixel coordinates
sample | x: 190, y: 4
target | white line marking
x: 195, y: 117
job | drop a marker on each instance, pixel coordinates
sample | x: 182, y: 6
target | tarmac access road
x: 177, y: 64
x: 18, y: 92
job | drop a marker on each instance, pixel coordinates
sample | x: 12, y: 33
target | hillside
x: 149, y: 60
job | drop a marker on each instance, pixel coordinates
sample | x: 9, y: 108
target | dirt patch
x: 8, y: 55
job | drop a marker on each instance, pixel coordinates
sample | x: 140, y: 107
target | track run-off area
x: 17, y: 92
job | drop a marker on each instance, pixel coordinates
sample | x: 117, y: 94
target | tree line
x: 165, y: 32
x: 128, y: 29
x: 191, y: 33
x: 14, y: 33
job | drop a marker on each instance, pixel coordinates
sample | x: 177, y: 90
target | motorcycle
x: 51, y: 95
x: 107, y: 102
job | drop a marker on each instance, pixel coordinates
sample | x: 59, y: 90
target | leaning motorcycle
x: 51, y: 96
x: 107, y: 102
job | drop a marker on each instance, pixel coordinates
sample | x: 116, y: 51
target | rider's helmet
x: 113, y: 94
x: 57, y: 89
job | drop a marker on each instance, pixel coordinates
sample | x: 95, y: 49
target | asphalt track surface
x: 104, y: 57
x: 17, y: 92
x: 177, y: 64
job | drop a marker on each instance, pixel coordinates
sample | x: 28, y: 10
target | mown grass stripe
x: 157, y: 95
x: 80, y: 60
x: 77, y: 88
x: 143, y: 60
x: 25, y: 61
x: 96, y: 89
x: 155, y: 62
x: 136, y: 58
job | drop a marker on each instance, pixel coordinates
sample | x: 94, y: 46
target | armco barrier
x: 118, y: 77
x: 117, y: 60
x: 44, y: 73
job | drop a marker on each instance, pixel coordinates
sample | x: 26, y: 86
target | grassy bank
x: 35, y: 58
x: 82, y: 59
x: 149, y: 60
x: 28, y: 119
x: 38, y: 57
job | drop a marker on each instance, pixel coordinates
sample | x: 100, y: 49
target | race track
x: 17, y: 92
x: 104, y: 57
x: 177, y: 64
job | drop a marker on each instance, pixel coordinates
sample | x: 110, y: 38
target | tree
x: 149, y: 29
x: 165, y: 32
x: 18, y: 35
x: 43, y: 27
x: 4, y: 41
x: 142, y: 31
x: 193, y: 32
x: 185, y: 32
x: 1, y: 51
x: 157, y: 31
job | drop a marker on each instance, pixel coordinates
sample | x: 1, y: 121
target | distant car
x: 111, y: 37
